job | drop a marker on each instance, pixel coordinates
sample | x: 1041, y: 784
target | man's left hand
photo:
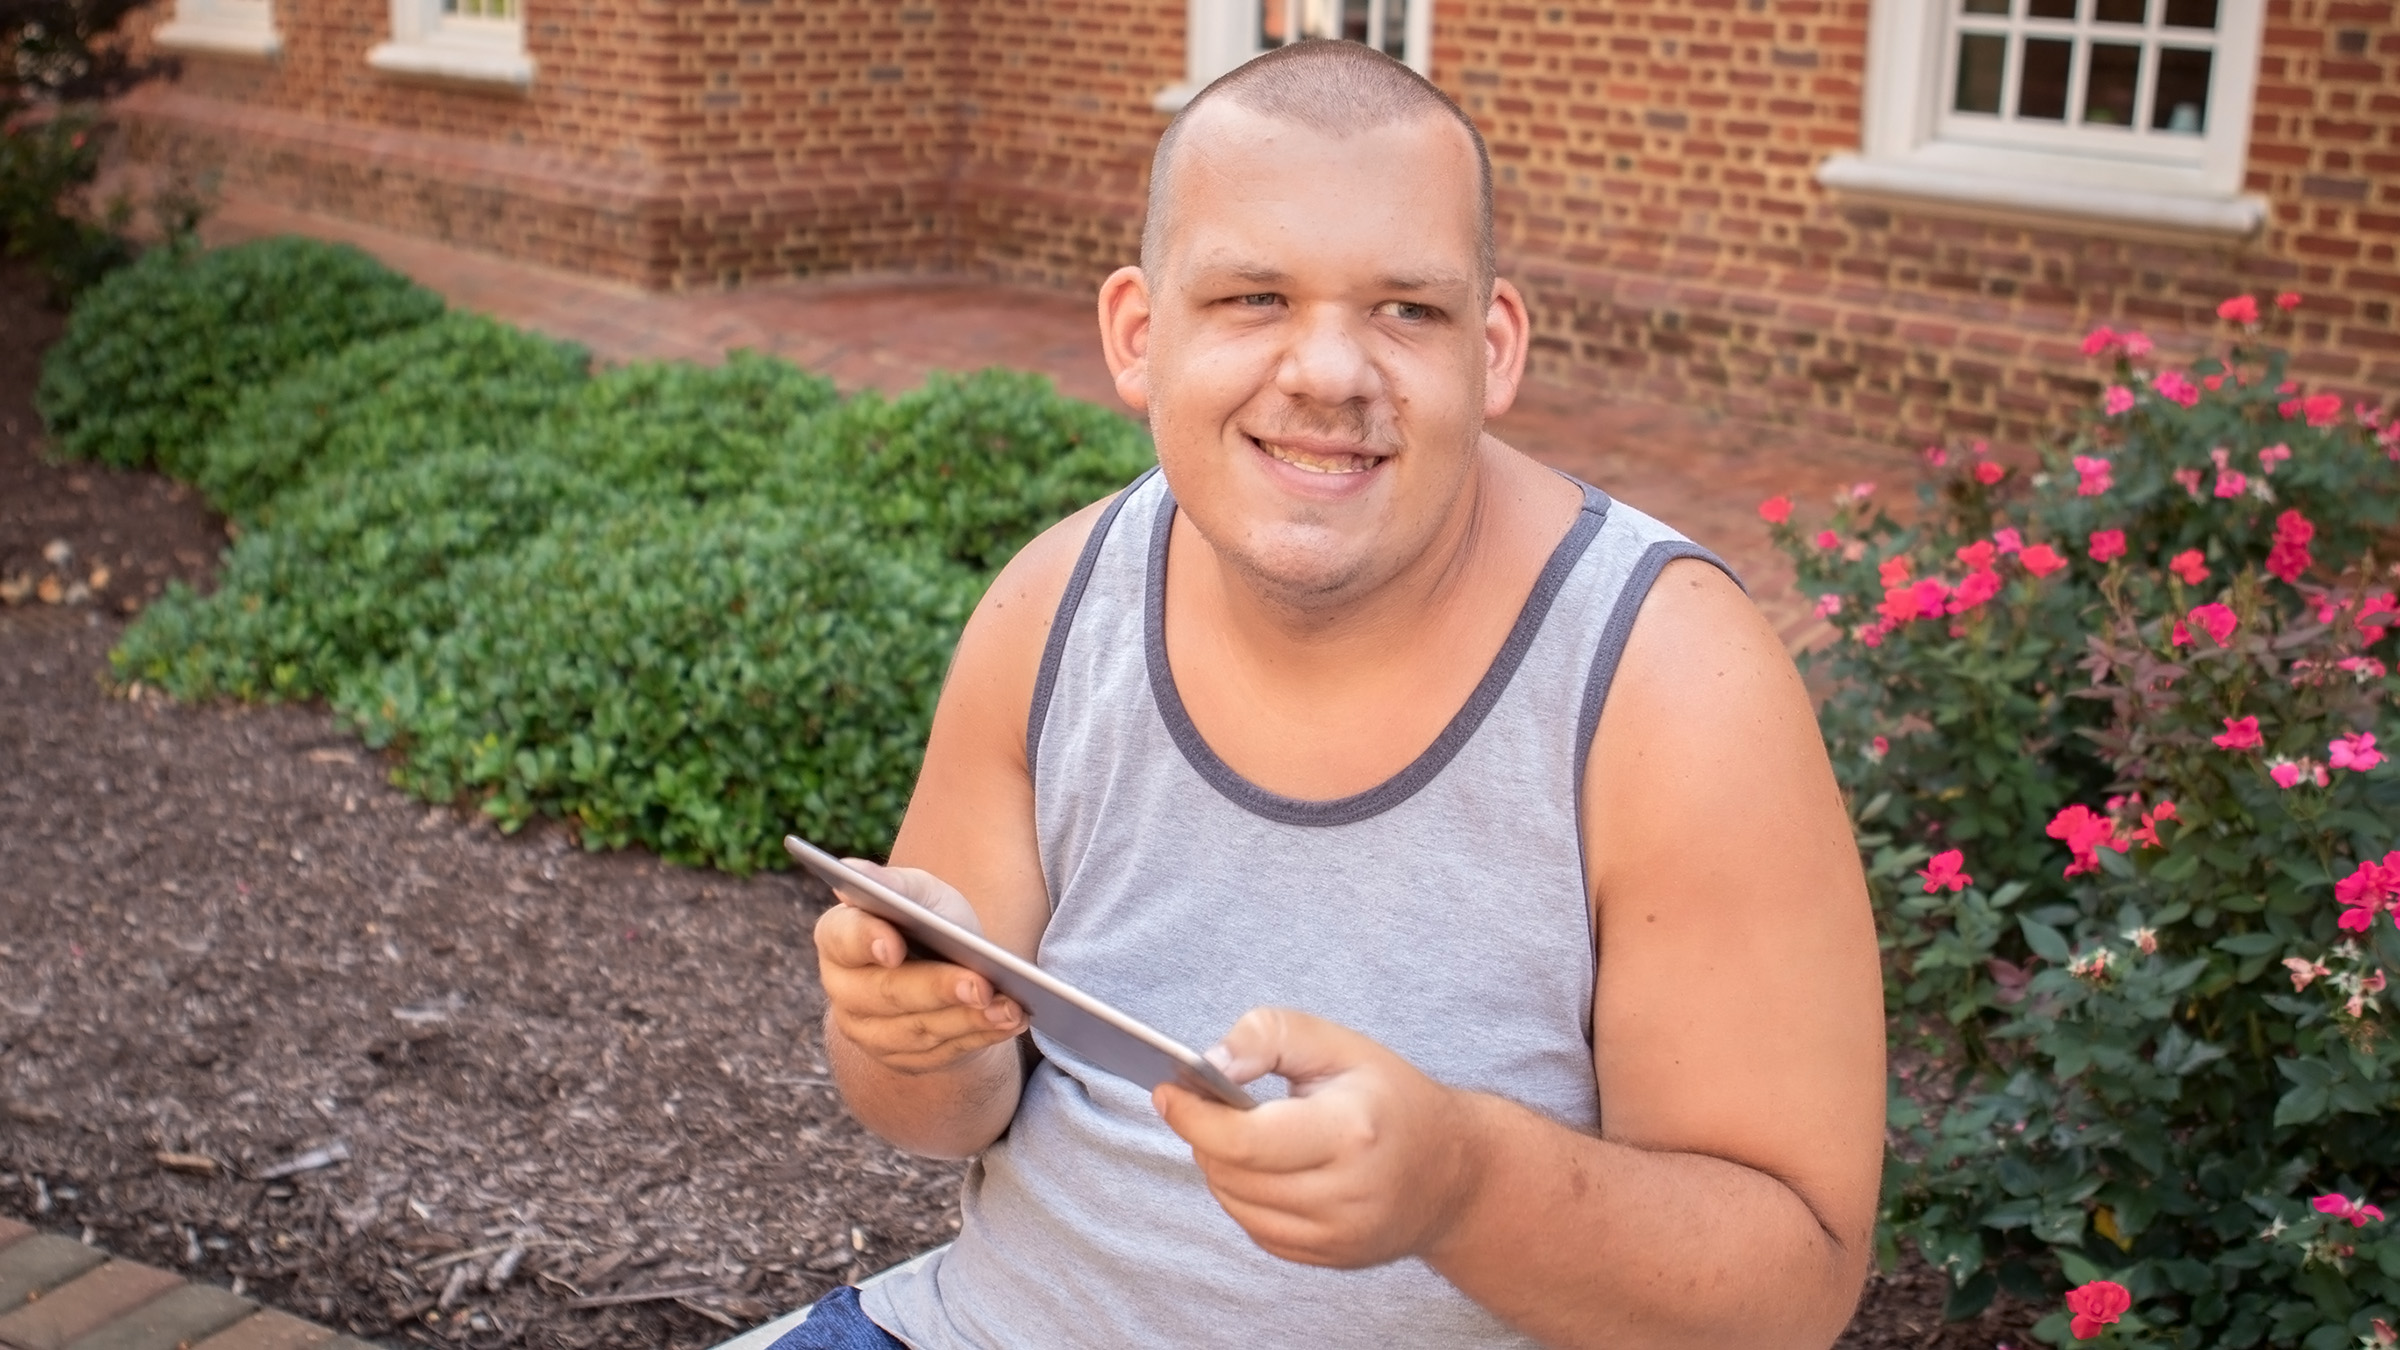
x: 1366, y: 1161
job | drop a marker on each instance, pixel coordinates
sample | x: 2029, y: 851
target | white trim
x: 425, y: 41
x: 222, y: 27
x: 1911, y: 146
x: 1222, y: 34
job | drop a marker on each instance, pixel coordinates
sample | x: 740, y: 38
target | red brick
x: 269, y: 1330
x: 82, y: 1305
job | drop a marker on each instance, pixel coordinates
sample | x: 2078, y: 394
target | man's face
x: 1316, y: 358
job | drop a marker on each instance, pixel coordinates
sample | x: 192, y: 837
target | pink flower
x: 1872, y: 634
x: 2041, y: 559
x: 1829, y: 604
x: 2096, y: 1305
x: 2190, y: 566
x: 2190, y: 478
x: 1894, y: 571
x: 1860, y: 491
x: 1775, y: 510
x: 2323, y: 409
x: 2357, y: 753
x: 1988, y: 473
x: 2174, y: 388
x: 2240, y: 309
x: 2362, y: 668
x: 2101, y: 339
x: 2289, y: 557
x: 2241, y: 733
x: 1936, y: 456
x: 2181, y: 636
x: 2272, y: 456
x: 2232, y: 483
x: 2117, y: 401
x: 2305, y: 971
x: 2371, y: 622
x: 2370, y: 888
x: 1827, y: 539
x: 2147, y: 835
x: 2085, y: 832
x: 2092, y: 476
x: 2136, y: 344
x: 2218, y: 619
x: 2107, y: 545
x: 1978, y: 555
x: 2008, y: 541
x: 2287, y: 300
x: 1974, y: 589
x: 2358, y: 1211
x: 1942, y: 872
x: 2285, y: 773
x: 1878, y: 748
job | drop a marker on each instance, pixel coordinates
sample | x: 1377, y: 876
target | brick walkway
x: 1700, y: 473
x: 58, y: 1294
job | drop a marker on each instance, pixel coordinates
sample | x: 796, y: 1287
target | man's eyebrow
x: 1422, y: 281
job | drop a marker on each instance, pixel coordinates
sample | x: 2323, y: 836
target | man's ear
x: 1507, y: 332
x: 1125, y: 334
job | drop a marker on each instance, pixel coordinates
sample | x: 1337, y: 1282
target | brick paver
x: 182, y: 1316
x: 36, y: 1265
x: 11, y: 1230
x: 83, y: 1305
x: 269, y: 1330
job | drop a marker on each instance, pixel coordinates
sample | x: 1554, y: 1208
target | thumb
x: 1304, y: 1050
x: 926, y: 889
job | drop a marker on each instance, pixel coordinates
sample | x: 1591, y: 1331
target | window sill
x: 2160, y: 213
x: 468, y: 63
x: 218, y: 39
x: 1171, y: 99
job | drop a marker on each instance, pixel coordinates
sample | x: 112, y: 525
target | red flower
x: 1775, y: 510
x: 1942, y: 872
x: 2369, y: 889
x: 1827, y: 539
x: 2241, y: 733
x: 2096, y: 1305
x: 2107, y: 545
x: 2158, y: 815
x: 2175, y: 388
x: 2323, y: 409
x: 2190, y: 566
x: 2085, y: 832
x: 1988, y: 473
x: 1974, y: 589
x: 2101, y: 339
x: 2092, y: 475
x: 2041, y: 559
x: 2287, y: 300
x: 1894, y: 571
x: 2218, y: 619
x: 2241, y: 309
x: 2340, y: 1206
x: 1979, y: 554
x: 2289, y: 557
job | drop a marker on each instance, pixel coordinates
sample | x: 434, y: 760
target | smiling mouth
x: 1317, y: 462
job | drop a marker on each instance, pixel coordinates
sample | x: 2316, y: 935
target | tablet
x: 1064, y: 1013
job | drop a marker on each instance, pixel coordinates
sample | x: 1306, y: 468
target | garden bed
x: 227, y: 938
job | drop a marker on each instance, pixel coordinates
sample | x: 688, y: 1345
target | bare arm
x: 1738, y: 1047
x: 925, y: 1051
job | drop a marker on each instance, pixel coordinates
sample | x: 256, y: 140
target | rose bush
x: 2110, y: 731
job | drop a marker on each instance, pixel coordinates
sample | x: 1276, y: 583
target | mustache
x: 1350, y: 423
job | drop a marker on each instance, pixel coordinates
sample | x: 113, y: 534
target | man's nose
x: 1326, y: 362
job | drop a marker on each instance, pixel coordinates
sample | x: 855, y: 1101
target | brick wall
x: 1657, y: 203
x: 1655, y: 161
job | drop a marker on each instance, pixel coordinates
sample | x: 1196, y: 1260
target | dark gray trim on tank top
x: 1054, y: 649
x: 1402, y: 785
x: 1613, y: 637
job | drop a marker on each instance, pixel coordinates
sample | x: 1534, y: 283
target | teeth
x: 1301, y: 459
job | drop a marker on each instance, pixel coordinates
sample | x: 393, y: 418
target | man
x: 1483, y: 812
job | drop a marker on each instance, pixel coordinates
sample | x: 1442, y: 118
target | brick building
x: 1892, y: 218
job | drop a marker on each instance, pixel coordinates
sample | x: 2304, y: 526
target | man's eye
x: 1260, y: 300
x: 1405, y: 311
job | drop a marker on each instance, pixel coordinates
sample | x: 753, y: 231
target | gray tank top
x: 1187, y: 895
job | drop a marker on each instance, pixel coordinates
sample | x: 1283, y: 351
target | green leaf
x: 2046, y: 942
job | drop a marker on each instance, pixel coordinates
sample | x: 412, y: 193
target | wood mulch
x: 267, y: 1021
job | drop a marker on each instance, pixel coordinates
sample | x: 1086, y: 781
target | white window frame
x: 221, y: 27
x: 1222, y: 34
x: 426, y: 41
x: 1913, y: 147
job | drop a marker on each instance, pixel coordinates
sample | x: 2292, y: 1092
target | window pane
x: 2191, y: 13
x: 2050, y: 9
x: 1981, y: 57
x: 1354, y: 20
x: 1271, y: 16
x: 1987, y: 6
x: 2182, y: 100
x: 2108, y: 93
x: 2120, y: 11
x: 1395, y: 29
x: 2042, y: 89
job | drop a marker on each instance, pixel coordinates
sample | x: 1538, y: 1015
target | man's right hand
x: 912, y: 1017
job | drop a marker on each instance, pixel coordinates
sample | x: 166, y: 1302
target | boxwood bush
x: 157, y: 354
x: 690, y: 607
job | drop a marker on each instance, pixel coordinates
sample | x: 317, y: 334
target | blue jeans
x: 837, y: 1323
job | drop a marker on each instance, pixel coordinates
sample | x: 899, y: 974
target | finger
x: 917, y: 987
x: 1304, y: 1049
x: 849, y: 936
x: 945, y: 1033
x: 926, y: 889
x: 1272, y: 1137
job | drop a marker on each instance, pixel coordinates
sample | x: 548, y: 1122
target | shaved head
x: 1334, y: 88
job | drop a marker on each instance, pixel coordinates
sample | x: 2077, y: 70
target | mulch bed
x: 268, y: 1020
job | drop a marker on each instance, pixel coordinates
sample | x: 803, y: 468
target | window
x: 2135, y: 111
x: 236, y: 27
x: 1222, y: 34
x: 475, y: 40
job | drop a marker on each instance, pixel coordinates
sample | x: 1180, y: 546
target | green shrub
x: 2152, y: 929
x: 156, y: 354
x: 460, y: 380
x: 694, y: 678
x: 671, y: 430
x: 45, y: 162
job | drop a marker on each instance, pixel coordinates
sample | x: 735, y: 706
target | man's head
x: 1315, y: 331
